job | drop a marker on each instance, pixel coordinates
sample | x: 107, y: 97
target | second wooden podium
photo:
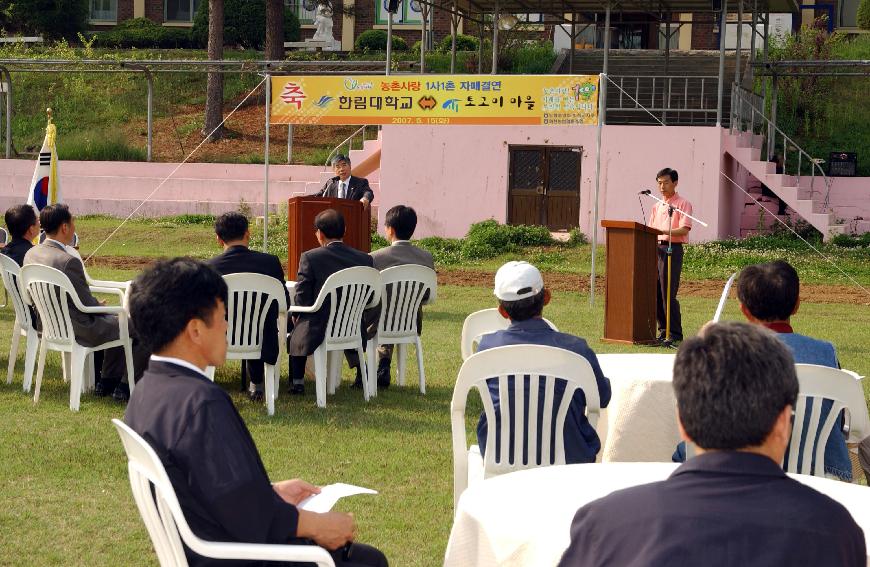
x: 630, y: 296
x: 300, y: 226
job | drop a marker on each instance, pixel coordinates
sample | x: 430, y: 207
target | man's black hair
x: 166, y: 296
x: 731, y: 383
x: 769, y: 291
x: 51, y: 217
x: 403, y: 220
x: 672, y: 173
x: 19, y: 219
x: 231, y: 226
x: 331, y: 223
x: 524, y: 309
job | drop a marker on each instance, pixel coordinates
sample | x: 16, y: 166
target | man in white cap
x: 522, y: 296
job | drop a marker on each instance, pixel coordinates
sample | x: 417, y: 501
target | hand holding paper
x: 329, y: 495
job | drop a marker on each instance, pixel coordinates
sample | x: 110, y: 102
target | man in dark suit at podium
x: 346, y: 186
x: 314, y: 267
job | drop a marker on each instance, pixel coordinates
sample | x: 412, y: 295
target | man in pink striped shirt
x: 679, y: 225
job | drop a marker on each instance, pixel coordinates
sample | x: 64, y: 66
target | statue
x: 323, y: 24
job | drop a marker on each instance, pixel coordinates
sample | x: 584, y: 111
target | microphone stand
x: 668, y: 343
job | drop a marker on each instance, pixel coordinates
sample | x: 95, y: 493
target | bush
x: 851, y: 241
x: 576, y: 237
x: 144, y: 33
x: 376, y: 40
x: 531, y: 59
x: 244, y: 24
x: 51, y: 18
x: 488, y: 239
x: 864, y: 15
x: 463, y: 43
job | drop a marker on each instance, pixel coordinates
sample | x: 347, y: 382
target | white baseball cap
x: 517, y: 280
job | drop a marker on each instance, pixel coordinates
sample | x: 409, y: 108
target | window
x: 530, y: 18
x: 409, y: 13
x: 104, y: 10
x: 179, y: 10
x: 298, y: 8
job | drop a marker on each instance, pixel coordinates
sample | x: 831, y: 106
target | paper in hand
x: 330, y: 494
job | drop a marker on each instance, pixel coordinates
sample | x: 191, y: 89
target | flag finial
x: 48, y: 112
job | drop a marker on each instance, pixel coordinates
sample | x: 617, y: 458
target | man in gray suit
x: 399, y: 225
x: 90, y: 329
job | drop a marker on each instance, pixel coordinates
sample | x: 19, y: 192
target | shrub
x: 244, y: 24
x: 144, y: 33
x: 851, y: 241
x: 864, y: 15
x: 51, y: 18
x: 531, y: 59
x: 576, y: 237
x: 489, y: 238
x: 376, y: 40
x: 463, y: 43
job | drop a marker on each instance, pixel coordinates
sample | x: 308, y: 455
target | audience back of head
x: 19, y: 219
x: 519, y: 288
x: 165, y: 297
x: 769, y: 291
x: 403, y: 220
x: 51, y: 217
x: 330, y: 223
x: 231, y: 226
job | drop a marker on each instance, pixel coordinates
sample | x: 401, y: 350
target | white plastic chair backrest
x: 540, y: 365
x: 4, y: 236
x: 47, y: 289
x: 481, y: 323
x: 350, y: 291
x: 403, y: 289
x: 248, y: 300
x: 817, y: 383
x: 11, y: 275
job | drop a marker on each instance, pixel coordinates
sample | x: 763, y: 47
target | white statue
x: 323, y: 24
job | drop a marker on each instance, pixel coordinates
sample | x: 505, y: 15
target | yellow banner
x: 557, y: 100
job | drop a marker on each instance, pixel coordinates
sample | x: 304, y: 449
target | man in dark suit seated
x: 399, y: 224
x: 178, y: 307
x: 522, y: 296
x: 233, y: 235
x: 23, y: 228
x: 90, y: 329
x: 314, y: 267
x: 732, y: 504
x: 346, y: 186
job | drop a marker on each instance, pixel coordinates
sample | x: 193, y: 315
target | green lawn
x: 64, y: 491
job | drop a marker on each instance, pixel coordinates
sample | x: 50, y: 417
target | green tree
x: 864, y: 15
x: 52, y: 19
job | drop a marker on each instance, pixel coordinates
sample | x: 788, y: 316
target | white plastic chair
x: 482, y: 323
x: 48, y: 290
x: 165, y: 522
x: 543, y: 365
x: 23, y: 326
x: 350, y: 291
x: 4, y: 236
x: 248, y: 300
x: 402, y: 291
x: 816, y: 384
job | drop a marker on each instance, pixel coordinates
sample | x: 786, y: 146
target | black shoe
x: 121, y: 393
x: 297, y: 390
x: 105, y: 387
x: 357, y: 384
x: 256, y: 395
x: 384, y: 374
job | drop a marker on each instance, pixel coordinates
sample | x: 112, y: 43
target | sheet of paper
x: 330, y: 494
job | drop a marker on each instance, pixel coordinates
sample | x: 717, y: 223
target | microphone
x: 644, y: 192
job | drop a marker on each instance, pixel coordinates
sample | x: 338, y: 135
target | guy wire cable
x: 247, y: 96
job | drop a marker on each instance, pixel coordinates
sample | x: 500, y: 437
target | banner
x: 45, y: 185
x: 558, y: 100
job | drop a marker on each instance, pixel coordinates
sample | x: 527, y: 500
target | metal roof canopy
x: 561, y: 7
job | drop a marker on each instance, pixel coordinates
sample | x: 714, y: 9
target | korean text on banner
x: 559, y: 100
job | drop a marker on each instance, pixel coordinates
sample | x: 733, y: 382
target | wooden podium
x: 630, y: 297
x: 300, y: 226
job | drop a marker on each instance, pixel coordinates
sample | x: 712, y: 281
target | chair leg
x: 76, y: 374
x: 320, y: 376
x: 333, y: 370
x: 271, y: 383
x: 30, y: 351
x: 13, y: 351
x: 40, y: 367
x: 370, y: 363
x: 402, y: 353
x: 65, y: 361
x: 131, y: 373
x: 364, y: 372
x: 420, y: 366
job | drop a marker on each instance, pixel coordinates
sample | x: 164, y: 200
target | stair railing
x: 745, y: 112
x: 668, y: 97
x: 349, y: 141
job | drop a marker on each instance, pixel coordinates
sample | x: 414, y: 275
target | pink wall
x: 456, y: 176
x: 850, y: 200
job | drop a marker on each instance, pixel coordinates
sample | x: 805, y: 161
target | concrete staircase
x: 804, y: 195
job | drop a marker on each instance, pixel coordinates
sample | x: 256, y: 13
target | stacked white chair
x: 164, y: 519
x: 482, y: 323
x: 51, y: 292
x: 350, y: 292
x: 543, y: 365
x: 248, y: 300
x: 23, y: 325
x: 403, y: 290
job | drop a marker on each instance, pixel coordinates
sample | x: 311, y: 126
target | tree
x: 274, y: 48
x: 864, y: 15
x: 214, y: 99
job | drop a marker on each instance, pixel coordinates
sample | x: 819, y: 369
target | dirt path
x: 812, y: 293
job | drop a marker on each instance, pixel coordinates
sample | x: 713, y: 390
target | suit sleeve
x: 75, y: 271
x: 226, y: 475
x: 324, y: 189
x: 304, y: 283
x: 278, y: 274
x: 367, y: 191
x: 583, y: 549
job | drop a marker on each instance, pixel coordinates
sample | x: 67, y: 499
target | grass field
x: 64, y: 494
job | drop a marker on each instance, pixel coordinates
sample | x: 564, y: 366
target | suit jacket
x: 16, y: 249
x: 314, y: 267
x: 358, y: 188
x: 211, y: 459
x: 89, y: 328
x: 237, y: 259
x: 402, y: 253
x: 720, y: 508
